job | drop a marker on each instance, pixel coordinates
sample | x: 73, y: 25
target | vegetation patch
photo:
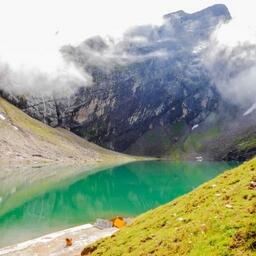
x: 196, y: 141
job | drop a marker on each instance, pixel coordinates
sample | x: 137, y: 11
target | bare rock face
x: 152, y: 78
x: 123, y: 110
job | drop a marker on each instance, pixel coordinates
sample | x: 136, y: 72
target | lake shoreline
x: 37, y: 207
x: 54, y: 243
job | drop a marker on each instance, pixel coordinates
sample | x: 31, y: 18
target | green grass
x: 218, y: 218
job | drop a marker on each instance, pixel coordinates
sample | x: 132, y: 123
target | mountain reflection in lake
x: 126, y: 190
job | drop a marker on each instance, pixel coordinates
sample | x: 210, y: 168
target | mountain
x: 217, y: 218
x: 25, y: 141
x: 151, y: 94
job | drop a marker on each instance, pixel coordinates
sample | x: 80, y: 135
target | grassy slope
x: 176, y: 142
x: 220, y: 136
x: 160, y: 141
x: 24, y: 140
x: 218, y: 218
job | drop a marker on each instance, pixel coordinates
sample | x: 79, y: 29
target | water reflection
x: 125, y: 190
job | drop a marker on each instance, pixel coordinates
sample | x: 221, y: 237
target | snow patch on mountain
x: 250, y: 110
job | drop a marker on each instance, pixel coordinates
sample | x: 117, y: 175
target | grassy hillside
x: 218, y: 218
x: 26, y: 141
x: 221, y: 136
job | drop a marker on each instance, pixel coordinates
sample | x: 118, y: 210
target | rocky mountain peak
x: 146, y: 94
x: 217, y: 10
x: 175, y: 15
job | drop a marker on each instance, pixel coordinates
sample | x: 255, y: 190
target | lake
x: 126, y: 190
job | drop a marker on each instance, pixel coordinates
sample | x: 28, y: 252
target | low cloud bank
x: 230, y: 59
x: 63, y: 80
x: 64, y: 69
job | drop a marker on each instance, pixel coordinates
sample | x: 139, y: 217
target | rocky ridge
x: 150, y: 91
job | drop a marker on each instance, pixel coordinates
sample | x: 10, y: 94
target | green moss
x: 218, y: 218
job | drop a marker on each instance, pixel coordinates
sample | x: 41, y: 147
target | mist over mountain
x: 151, y: 90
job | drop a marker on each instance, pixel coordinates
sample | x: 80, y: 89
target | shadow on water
x: 126, y: 190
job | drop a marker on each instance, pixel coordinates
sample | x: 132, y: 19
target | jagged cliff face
x: 132, y: 106
x: 152, y: 79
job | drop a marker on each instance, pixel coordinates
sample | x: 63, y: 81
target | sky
x: 78, y: 19
x: 32, y: 31
x: 33, y: 28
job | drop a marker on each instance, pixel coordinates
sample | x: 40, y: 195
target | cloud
x: 107, y: 53
x: 231, y: 61
x: 42, y: 66
x: 178, y: 34
x: 33, y: 81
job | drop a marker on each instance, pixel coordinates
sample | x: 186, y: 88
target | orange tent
x: 118, y: 222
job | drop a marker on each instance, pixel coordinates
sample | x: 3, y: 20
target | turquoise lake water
x: 126, y: 190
